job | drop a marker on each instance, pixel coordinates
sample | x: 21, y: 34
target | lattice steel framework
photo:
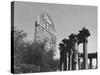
x: 45, y: 31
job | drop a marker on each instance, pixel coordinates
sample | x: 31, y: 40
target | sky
x: 67, y: 19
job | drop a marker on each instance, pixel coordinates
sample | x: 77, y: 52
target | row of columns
x: 71, y: 58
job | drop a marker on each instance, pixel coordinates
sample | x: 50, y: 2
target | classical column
x: 60, y: 65
x: 85, y: 54
x: 70, y: 62
x: 96, y: 60
x: 65, y: 62
x: 75, y: 56
x: 65, y: 42
x: 82, y: 36
x: 61, y: 48
x: 90, y: 63
x: 79, y: 63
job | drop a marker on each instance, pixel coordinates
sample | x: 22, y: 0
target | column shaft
x: 96, y: 62
x: 90, y: 63
x: 85, y: 55
x: 79, y: 63
x: 69, y: 62
x: 65, y: 61
x: 60, y: 66
x: 75, y: 57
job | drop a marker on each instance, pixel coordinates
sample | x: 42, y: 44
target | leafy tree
x: 19, y: 45
x: 36, y: 55
x: 32, y: 57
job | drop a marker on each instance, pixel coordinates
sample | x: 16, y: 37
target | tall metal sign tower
x: 45, y: 31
